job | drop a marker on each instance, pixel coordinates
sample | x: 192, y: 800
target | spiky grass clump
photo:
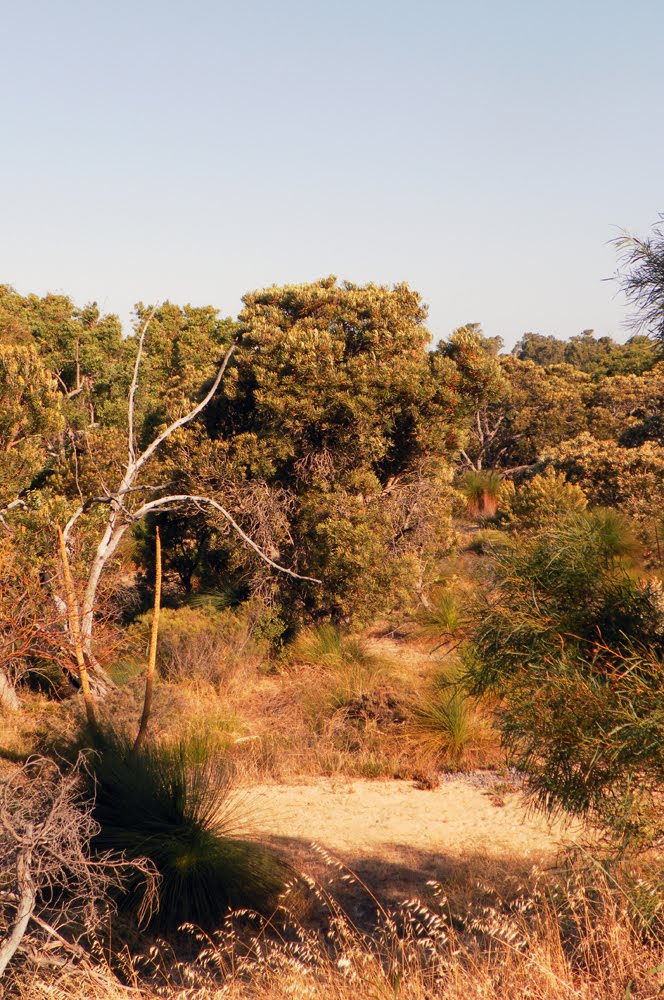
x: 328, y: 646
x: 173, y: 805
x: 447, y: 724
x: 488, y: 541
x: 442, y: 617
x: 614, y: 535
x: 352, y: 668
x: 481, y: 490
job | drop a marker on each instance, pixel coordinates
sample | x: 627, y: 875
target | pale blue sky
x: 484, y: 152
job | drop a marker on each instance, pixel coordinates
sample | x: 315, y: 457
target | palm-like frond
x: 174, y: 806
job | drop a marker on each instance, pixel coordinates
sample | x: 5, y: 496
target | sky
x: 485, y: 152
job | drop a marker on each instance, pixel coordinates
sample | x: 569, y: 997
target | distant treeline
x: 337, y: 439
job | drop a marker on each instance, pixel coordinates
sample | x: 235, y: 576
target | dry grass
x: 350, y: 715
x: 544, y: 940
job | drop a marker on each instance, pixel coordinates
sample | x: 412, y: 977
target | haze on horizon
x: 485, y: 153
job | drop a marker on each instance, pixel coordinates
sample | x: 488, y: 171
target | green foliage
x: 602, y: 357
x: 631, y: 479
x: 336, y: 377
x: 82, y: 349
x: 628, y: 408
x: 196, y: 643
x: 543, y: 407
x: 183, y: 347
x: 31, y: 418
x: 543, y: 350
x: 477, y: 368
x: 332, y: 441
x: 598, y: 357
x: 269, y: 629
x: 591, y: 748
x: 508, y: 409
x: 544, y: 498
x: 173, y: 805
x: 335, y: 408
x: 573, y: 646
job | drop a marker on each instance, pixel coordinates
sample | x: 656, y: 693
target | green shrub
x: 197, y: 643
x: 573, y: 644
x: 544, y: 498
x: 630, y: 479
x: 173, y: 805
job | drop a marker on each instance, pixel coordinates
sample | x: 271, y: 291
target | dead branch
x: 45, y: 831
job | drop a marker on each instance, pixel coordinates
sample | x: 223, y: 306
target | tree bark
x: 75, y: 631
x: 8, y: 697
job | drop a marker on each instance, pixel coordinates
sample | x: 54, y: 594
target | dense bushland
x: 379, y: 560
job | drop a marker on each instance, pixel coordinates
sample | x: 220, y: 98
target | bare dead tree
x: 485, y: 431
x: 122, y: 512
x: 18, y: 502
x: 72, y: 617
x: 51, y: 882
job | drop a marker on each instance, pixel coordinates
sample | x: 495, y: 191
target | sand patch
x: 398, y: 836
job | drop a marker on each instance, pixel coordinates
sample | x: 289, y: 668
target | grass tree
x: 642, y: 278
x: 175, y: 806
x: 481, y: 490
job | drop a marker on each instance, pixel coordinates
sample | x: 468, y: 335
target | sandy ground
x: 397, y: 836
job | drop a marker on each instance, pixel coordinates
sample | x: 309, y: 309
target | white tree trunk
x: 8, y: 697
x: 27, y: 898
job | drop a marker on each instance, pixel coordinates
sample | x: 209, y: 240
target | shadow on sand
x: 363, y: 884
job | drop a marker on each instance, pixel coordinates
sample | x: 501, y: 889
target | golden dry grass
x: 283, y: 719
x: 279, y: 720
x: 544, y: 941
